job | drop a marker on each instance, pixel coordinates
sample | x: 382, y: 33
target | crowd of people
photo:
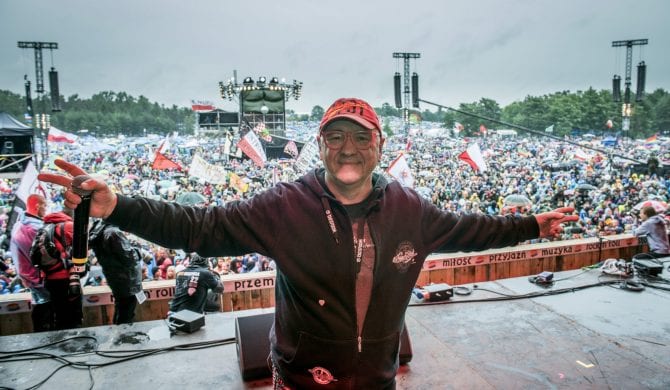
x: 548, y: 173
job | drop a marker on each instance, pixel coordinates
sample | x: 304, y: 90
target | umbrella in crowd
x: 190, y: 198
x: 517, y: 200
x: 658, y: 205
x: 585, y: 187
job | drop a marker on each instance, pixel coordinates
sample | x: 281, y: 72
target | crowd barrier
x: 252, y: 291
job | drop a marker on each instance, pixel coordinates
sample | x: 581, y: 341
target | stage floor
x: 597, y: 338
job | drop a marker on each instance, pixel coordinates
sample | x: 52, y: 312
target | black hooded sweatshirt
x: 315, y: 339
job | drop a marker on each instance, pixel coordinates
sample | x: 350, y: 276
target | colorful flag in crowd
x: 458, y: 127
x: 652, y: 139
x: 291, y: 149
x: 549, y: 129
x: 29, y: 185
x: 581, y: 155
x: 275, y: 176
x: 482, y: 129
x: 237, y: 183
x: 399, y: 169
x: 202, y: 105
x: 251, y: 146
x: 161, y: 161
x: 56, y: 135
x: 473, y: 156
x: 409, y: 144
x: 263, y: 132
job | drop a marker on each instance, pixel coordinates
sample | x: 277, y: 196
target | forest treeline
x: 113, y: 113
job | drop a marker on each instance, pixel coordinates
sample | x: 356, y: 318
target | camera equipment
x: 434, y: 292
x: 648, y: 266
x: 186, y: 321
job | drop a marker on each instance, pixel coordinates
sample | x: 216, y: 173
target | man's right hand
x: 103, y: 200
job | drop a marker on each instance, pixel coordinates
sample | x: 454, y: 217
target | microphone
x: 79, y: 235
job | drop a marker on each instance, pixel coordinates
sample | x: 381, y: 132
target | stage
x: 599, y: 337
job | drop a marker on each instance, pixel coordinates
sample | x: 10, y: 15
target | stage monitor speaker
x: 253, y: 345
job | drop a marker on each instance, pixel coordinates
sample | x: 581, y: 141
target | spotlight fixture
x: 231, y: 90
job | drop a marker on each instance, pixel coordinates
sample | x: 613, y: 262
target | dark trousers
x: 67, y: 310
x: 124, y: 310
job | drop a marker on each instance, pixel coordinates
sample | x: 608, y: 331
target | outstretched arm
x: 103, y: 200
x: 550, y: 222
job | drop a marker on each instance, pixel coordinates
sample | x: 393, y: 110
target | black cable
x: 30, y: 354
x: 462, y: 290
x: 50, y: 344
x: 509, y: 297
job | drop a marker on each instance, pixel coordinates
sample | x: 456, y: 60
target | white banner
x: 309, y: 156
x: 208, y: 172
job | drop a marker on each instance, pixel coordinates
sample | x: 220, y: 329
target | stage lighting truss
x: 231, y: 89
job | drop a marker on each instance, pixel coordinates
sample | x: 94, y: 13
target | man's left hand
x: 550, y: 223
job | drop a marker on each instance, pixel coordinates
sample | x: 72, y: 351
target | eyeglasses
x: 336, y: 139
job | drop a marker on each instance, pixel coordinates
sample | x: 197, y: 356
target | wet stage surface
x: 595, y: 338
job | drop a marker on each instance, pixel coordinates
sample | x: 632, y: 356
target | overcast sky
x: 174, y: 51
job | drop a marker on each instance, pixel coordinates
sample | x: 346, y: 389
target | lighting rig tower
x: 406, y: 89
x: 42, y: 120
x: 262, y: 101
x: 626, y: 108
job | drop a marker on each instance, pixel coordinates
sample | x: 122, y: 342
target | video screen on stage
x: 253, y: 100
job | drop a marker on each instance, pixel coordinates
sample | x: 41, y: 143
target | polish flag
x: 56, y: 135
x: 580, y: 155
x: 202, y: 105
x: 399, y: 170
x: 473, y: 156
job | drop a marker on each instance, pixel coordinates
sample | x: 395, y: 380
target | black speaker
x: 253, y: 345
x: 396, y: 90
x: 641, y: 76
x: 29, y: 99
x: 415, y: 90
x: 616, y: 88
x: 53, y: 86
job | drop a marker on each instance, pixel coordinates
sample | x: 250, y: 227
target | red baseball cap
x: 357, y: 110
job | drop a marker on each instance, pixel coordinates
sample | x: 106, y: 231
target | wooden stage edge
x: 256, y: 291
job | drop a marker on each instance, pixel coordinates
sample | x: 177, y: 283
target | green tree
x: 317, y: 113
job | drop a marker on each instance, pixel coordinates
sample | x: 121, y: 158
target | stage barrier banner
x: 495, y: 256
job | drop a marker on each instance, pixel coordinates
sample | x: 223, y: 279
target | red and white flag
x: 161, y: 161
x: 56, y: 135
x: 291, y: 149
x: 202, y: 105
x: 581, y: 155
x: 473, y: 156
x: 251, y: 146
x: 399, y: 170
